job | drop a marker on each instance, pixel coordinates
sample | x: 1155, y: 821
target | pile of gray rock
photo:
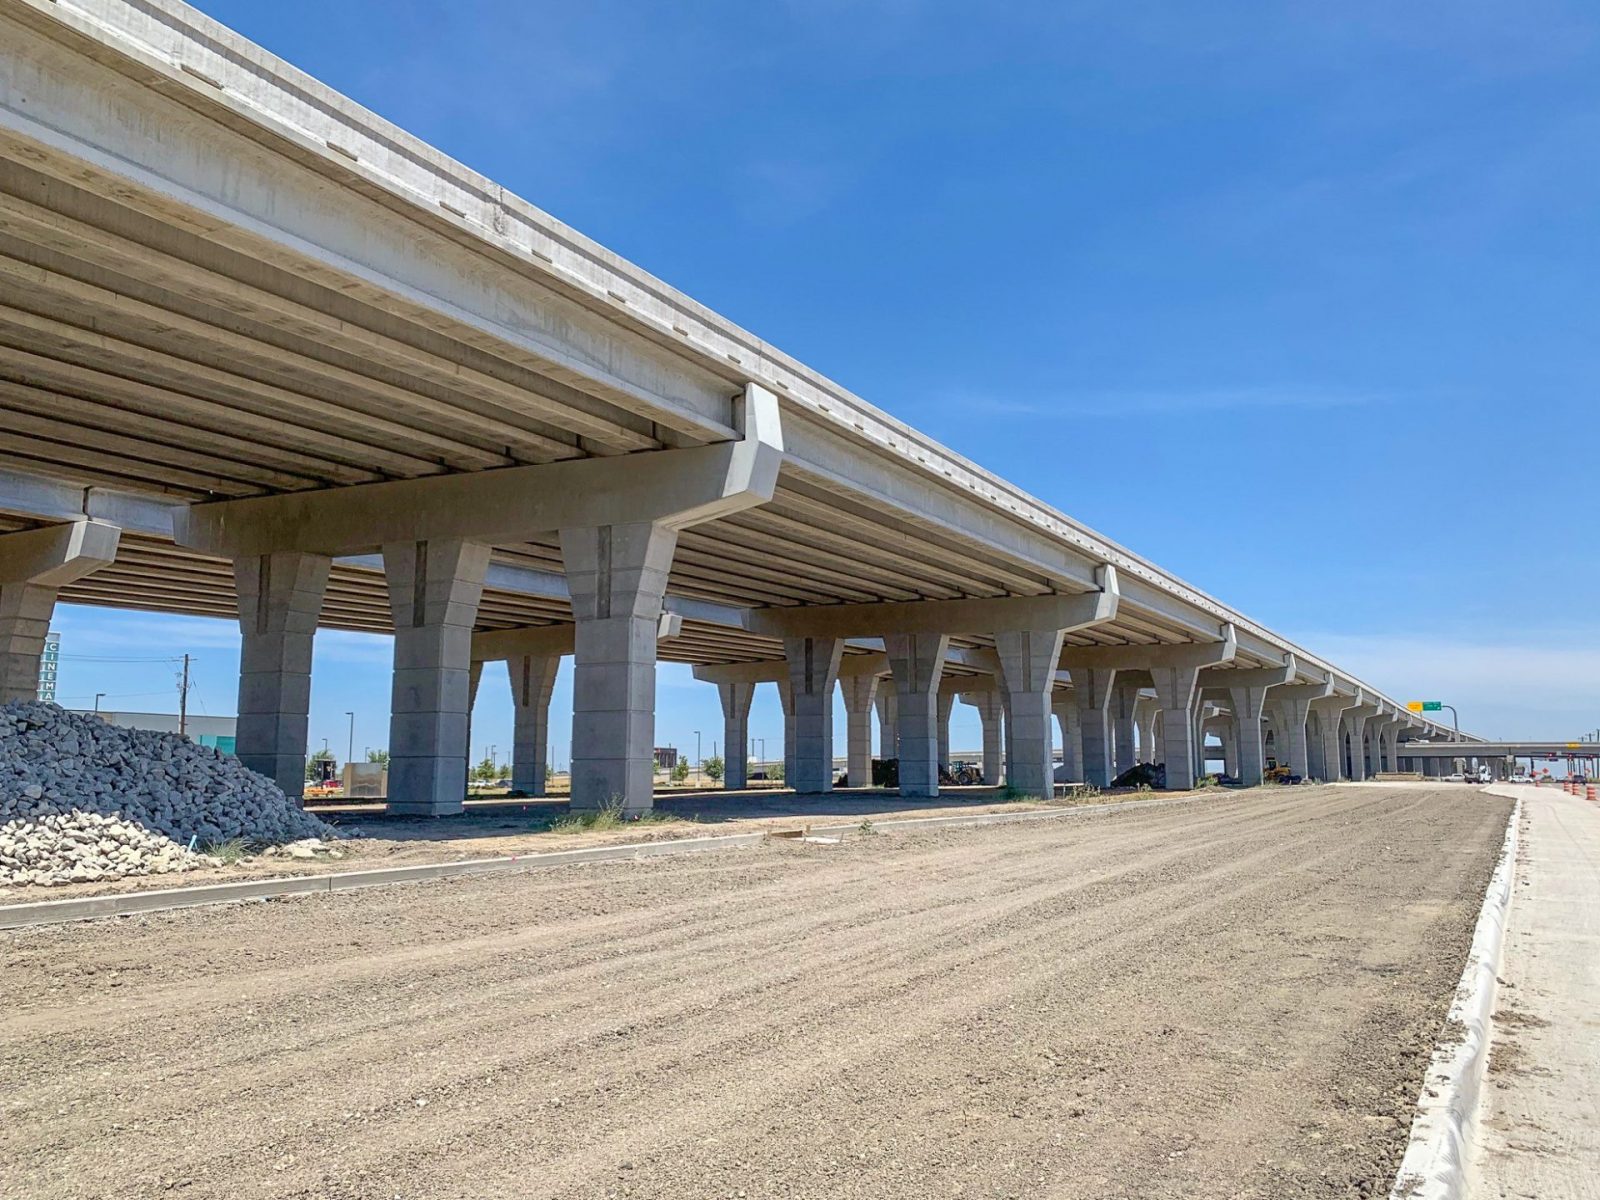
x: 83, y: 800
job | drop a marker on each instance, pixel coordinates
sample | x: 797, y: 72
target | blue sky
x: 1298, y: 300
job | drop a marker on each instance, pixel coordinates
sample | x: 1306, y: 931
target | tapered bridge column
x: 916, y: 661
x: 1028, y: 661
x: 1177, y: 692
x: 888, y: 704
x: 279, y: 599
x: 434, y: 589
x: 1124, y: 703
x: 813, y: 673
x: 736, y: 697
x: 617, y: 575
x: 1330, y: 727
x: 1093, y: 688
x: 860, y: 693
x: 1064, y: 705
x: 34, y: 565
x: 991, y: 709
x: 533, y: 679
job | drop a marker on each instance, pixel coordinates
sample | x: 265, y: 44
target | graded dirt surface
x: 373, y: 840
x: 1230, y: 998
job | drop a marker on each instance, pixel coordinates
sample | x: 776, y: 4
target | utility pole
x: 183, y: 700
x: 350, y: 753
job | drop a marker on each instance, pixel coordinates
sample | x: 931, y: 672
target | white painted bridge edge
x: 1445, y: 1129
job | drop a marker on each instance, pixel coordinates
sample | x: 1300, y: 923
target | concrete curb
x: 1446, y: 1125
x: 89, y: 908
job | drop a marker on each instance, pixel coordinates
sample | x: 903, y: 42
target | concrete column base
x: 280, y: 601
x: 533, y: 679
x: 618, y: 576
x: 434, y: 589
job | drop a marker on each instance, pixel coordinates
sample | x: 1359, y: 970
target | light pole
x: 350, y: 752
x: 98, y: 696
x: 697, y: 759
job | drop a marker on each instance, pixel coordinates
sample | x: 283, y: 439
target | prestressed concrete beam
x: 776, y: 670
x: 1006, y: 614
x: 1262, y: 677
x: 673, y: 489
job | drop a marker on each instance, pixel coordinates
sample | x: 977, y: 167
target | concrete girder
x: 1188, y: 655
x: 673, y: 489
x: 774, y: 670
x: 1003, y: 615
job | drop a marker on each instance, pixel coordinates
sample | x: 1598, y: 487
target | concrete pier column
x: 1144, y: 721
x: 1248, y: 703
x: 533, y: 678
x: 991, y: 708
x: 618, y: 576
x: 34, y: 565
x: 786, y: 700
x: 916, y: 662
x: 1294, y: 714
x: 1064, y: 705
x: 947, y: 703
x: 888, y: 704
x: 1028, y: 662
x: 434, y: 589
x: 860, y: 694
x: 1124, y: 702
x: 1355, y: 728
x: 736, y: 698
x: 1093, y: 686
x: 1177, y: 694
x: 813, y: 674
x: 279, y: 600
x: 1225, y: 728
x: 1330, y: 743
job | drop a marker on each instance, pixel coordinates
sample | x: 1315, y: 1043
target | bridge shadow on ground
x: 516, y: 818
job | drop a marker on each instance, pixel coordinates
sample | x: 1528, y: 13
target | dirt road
x: 1234, y: 998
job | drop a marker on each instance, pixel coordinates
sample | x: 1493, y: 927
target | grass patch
x: 230, y: 852
x: 610, y: 817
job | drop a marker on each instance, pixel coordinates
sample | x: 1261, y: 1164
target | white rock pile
x: 82, y: 800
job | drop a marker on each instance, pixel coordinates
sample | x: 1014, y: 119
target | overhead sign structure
x: 1425, y: 705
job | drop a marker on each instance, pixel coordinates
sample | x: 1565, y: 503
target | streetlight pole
x: 697, y: 759
x: 350, y: 752
x: 98, y: 696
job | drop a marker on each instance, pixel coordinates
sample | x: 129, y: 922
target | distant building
x: 218, y: 732
x: 48, y: 662
x: 666, y: 757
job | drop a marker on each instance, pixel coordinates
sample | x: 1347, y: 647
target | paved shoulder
x: 1541, y: 1121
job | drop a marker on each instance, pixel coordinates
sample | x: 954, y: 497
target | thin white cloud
x: 1501, y: 688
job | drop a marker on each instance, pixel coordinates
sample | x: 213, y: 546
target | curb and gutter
x: 1445, y: 1129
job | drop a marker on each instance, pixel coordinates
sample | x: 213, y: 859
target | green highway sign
x: 1425, y: 705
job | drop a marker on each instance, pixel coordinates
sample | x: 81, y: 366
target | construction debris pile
x: 82, y: 800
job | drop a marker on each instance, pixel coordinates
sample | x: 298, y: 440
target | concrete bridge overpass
x: 264, y: 355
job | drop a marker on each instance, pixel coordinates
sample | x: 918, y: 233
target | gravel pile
x: 82, y: 800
